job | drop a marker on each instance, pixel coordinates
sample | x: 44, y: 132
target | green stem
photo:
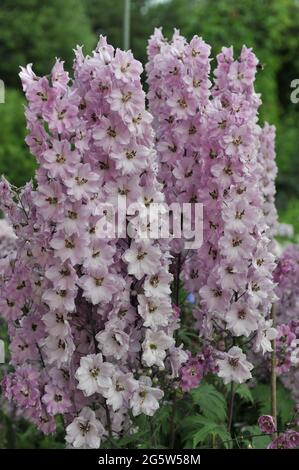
x: 153, y: 434
x: 108, y: 418
x: 273, y: 374
x: 231, y: 407
x: 172, y: 423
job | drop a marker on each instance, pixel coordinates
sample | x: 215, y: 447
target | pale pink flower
x: 113, y: 342
x: 85, y: 431
x: 83, y: 184
x: 94, y: 375
x: 142, y: 258
x: 234, y: 367
x: 155, y: 345
x: 146, y: 398
x: 99, y: 287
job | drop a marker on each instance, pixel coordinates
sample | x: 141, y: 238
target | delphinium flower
x: 266, y: 158
x: 288, y: 440
x: 178, y: 78
x: 266, y: 424
x: 90, y: 314
x: 286, y: 276
x: 179, y: 91
x: 194, y: 370
x: 85, y: 431
x: 287, y: 342
x: 234, y: 367
x: 7, y: 245
x: 239, y: 290
x: 232, y: 272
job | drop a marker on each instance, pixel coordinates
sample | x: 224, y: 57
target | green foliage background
x: 38, y: 31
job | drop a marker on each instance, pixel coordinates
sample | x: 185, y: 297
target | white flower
x: 146, y: 398
x: 94, y: 375
x: 234, y: 367
x: 158, y: 284
x: 131, y: 159
x: 266, y: 334
x: 241, y: 320
x: 85, y: 431
x: 59, y: 349
x: 155, y: 311
x: 6, y: 230
x: 57, y: 323
x: 113, y: 341
x: 177, y: 357
x: 154, y: 348
x: 142, y: 258
x: 100, y: 287
x: 122, y: 388
x: 99, y: 252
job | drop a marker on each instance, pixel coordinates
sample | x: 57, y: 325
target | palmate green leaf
x: 208, y: 427
x: 210, y: 431
x: 192, y: 425
x: 192, y: 422
x: 162, y: 419
x: 285, y: 404
x: 244, y: 392
x: 222, y: 433
x: 204, y: 433
x: 211, y: 402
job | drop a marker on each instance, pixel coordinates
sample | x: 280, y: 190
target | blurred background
x: 37, y: 31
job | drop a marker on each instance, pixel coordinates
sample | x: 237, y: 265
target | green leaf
x: 285, y: 404
x: 203, y: 434
x: 257, y: 441
x: 212, y: 403
x: 245, y: 393
x: 210, y: 432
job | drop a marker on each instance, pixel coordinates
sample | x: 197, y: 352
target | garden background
x: 38, y: 30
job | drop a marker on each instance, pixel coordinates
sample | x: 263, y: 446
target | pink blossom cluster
x: 89, y: 308
x: 286, y: 343
x: 90, y: 317
x: 178, y: 78
x: 268, y: 173
x: 286, y: 440
x: 226, y: 162
x: 286, y: 276
x: 234, y: 158
x: 239, y: 289
x: 7, y: 245
x: 179, y: 92
x: 194, y: 370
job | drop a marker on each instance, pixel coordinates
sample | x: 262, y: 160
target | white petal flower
x: 94, y: 375
x: 85, y: 431
x: 154, y: 348
x: 234, y: 367
x: 146, y: 398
